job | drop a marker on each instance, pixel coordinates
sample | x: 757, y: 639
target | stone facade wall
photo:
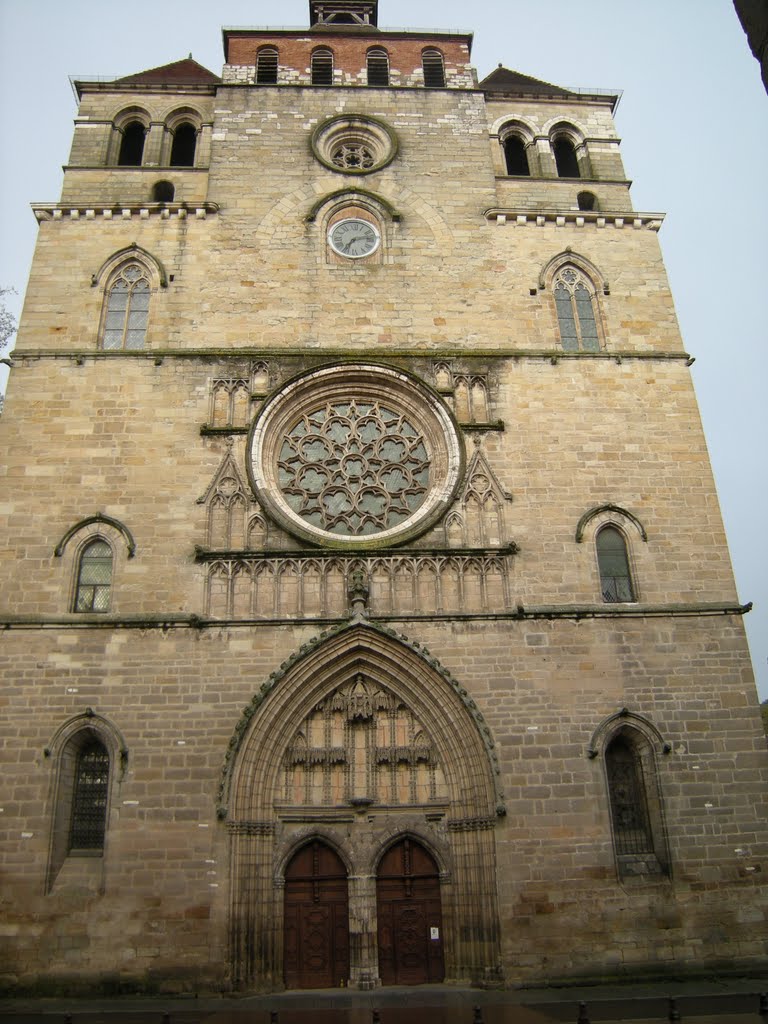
x: 225, y: 629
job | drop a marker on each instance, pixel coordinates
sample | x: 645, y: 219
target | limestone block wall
x: 152, y: 912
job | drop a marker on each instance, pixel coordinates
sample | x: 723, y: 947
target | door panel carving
x: 316, y: 928
x: 410, y: 935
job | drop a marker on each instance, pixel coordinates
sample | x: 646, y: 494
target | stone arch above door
x: 362, y: 736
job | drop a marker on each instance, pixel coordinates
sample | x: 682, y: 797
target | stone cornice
x: 572, y: 612
x: 124, y: 211
x: 157, y: 356
x: 519, y: 217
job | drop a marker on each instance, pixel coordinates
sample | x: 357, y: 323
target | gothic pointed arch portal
x: 360, y: 742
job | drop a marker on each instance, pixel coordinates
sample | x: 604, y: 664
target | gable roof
x: 180, y: 72
x: 503, y: 80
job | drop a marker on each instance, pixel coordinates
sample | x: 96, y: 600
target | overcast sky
x: 694, y: 140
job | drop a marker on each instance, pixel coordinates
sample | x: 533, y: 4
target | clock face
x: 354, y: 238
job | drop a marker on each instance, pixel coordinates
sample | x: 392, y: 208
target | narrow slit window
x: 184, y: 144
x: 515, y: 156
x: 434, y: 69
x: 575, y: 305
x: 266, y: 66
x: 377, y: 65
x: 566, y: 160
x: 322, y: 67
x: 132, y: 145
x: 613, y: 563
x: 89, y: 798
x: 127, y: 310
x: 635, y: 805
x: 94, y: 578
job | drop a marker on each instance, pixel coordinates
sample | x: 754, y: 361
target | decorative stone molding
x: 89, y: 211
x: 579, y: 218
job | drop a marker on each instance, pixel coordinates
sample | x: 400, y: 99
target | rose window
x: 354, y: 144
x: 354, y: 454
x: 354, y: 467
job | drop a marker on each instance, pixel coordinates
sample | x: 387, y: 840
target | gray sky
x: 694, y: 140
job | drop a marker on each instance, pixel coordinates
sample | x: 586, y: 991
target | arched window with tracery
x: 377, y: 66
x: 132, y: 145
x: 321, y: 66
x: 90, y: 791
x: 126, y: 311
x: 515, y: 156
x: 613, y: 564
x: 433, y: 66
x: 94, y: 578
x: 635, y: 804
x: 266, y: 66
x: 566, y: 161
x: 575, y: 303
x: 184, y: 144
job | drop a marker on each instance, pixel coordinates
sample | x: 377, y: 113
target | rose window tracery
x: 354, y: 454
x: 354, y: 467
x: 351, y: 155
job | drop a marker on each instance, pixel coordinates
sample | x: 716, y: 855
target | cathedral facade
x: 367, y: 616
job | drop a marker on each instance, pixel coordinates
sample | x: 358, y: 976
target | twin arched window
x: 133, y: 134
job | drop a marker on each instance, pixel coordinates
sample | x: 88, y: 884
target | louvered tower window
x: 434, y: 69
x: 89, y: 797
x: 322, y: 67
x: 94, y: 578
x: 266, y: 66
x: 378, y: 66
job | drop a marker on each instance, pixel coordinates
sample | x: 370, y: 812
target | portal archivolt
x: 362, y: 743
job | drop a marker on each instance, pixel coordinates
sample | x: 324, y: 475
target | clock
x: 354, y: 238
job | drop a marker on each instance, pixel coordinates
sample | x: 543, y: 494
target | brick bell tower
x: 367, y: 613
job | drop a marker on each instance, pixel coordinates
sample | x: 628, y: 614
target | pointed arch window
x: 90, y: 791
x: 575, y: 303
x: 635, y: 805
x: 94, y: 578
x: 132, y: 145
x: 266, y: 66
x: 434, y: 69
x: 377, y: 66
x: 515, y: 156
x: 184, y: 144
x: 322, y: 67
x: 566, y: 161
x: 127, y: 309
x: 613, y: 563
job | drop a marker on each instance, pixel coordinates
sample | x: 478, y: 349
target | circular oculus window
x: 355, y: 454
x: 354, y: 238
x: 354, y: 144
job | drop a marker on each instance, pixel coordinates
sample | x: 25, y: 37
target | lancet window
x: 575, y: 304
x: 127, y: 308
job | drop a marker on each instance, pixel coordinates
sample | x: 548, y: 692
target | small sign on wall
x: 434, y: 934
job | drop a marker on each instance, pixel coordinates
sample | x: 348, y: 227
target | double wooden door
x: 409, y: 915
x: 316, y: 925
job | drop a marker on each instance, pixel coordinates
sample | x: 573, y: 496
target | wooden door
x: 409, y: 914
x: 316, y: 924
